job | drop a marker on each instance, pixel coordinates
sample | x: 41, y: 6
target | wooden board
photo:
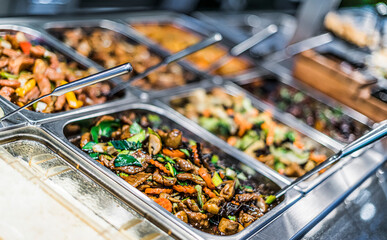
x: 350, y: 88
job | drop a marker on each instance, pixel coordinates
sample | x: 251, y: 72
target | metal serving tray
x: 42, y: 160
x: 276, y: 80
x: 233, y: 89
x: 136, y: 199
x: 192, y: 25
x: 54, y: 45
x: 123, y: 31
x: 239, y: 26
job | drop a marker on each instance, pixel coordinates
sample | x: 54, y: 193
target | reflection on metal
x: 130, y: 224
x: 56, y: 171
x: 367, y: 212
x: 151, y: 236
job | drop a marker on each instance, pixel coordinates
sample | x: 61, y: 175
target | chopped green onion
x: 171, y: 169
x: 270, y: 199
x: 198, y: 188
x: 7, y: 75
x: 242, y: 176
x: 124, y: 175
x: 185, y: 151
x: 216, y: 180
x: 214, y: 159
x: 232, y: 218
x: 170, y: 160
x: 231, y: 174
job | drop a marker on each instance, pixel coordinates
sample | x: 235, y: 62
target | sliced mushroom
x: 228, y: 190
x: 182, y: 216
x: 155, y: 144
x: 229, y: 227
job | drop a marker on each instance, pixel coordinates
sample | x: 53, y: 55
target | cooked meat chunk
x: 86, y: 137
x: 182, y: 216
x: 213, y: 205
x: 228, y: 190
x: 228, y: 227
x: 191, y: 177
x: 185, y: 165
x: 137, y: 179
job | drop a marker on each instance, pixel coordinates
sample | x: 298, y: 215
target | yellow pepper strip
x: 21, y: 91
x: 71, y: 98
x: 20, y: 104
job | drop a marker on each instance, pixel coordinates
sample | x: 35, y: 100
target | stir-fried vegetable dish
x: 110, y: 49
x: 175, y: 39
x: 235, y: 120
x: 29, y: 70
x: 181, y: 175
x: 331, y: 121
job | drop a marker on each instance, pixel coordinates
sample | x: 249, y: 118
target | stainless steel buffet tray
x: 41, y: 159
x: 46, y: 40
x: 330, y: 144
x: 57, y: 27
x: 271, y: 81
x: 186, y: 23
x: 136, y: 199
x: 301, y: 208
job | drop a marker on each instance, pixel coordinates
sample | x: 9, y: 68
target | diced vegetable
x: 216, y: 180
x: 242, y: 176
x: 135, y: 128
x: 139, y: 137
x: 8, y: 75
x: 25, y: 47
x: 186, y: 152
x: 231, y: 174
x: 232, y: 218
x: 40, y: 106
x: 171, y: 169
x: 270, y: 199
x: 214, y: 159
x: 198, y: 189
x: 28, y: 86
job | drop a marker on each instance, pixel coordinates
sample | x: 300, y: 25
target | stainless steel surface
x: 310, y: 17
x: 172, y: 58
x: 324, y: 198
x: 137, y: 199
x: 361, y: 143
x: 296, y: 48
x: 31, y: 151
x: 238, y: 26
x: 244, y: 46
x: 75, y: 85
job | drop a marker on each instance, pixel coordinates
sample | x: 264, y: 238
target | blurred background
x: 49, y: 7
